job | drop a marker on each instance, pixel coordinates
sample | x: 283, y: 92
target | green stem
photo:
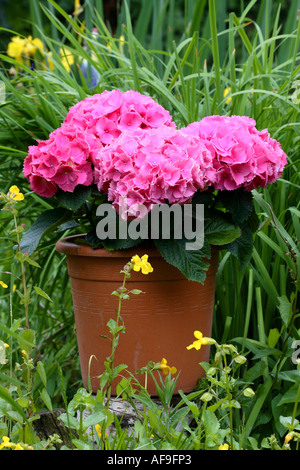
x: 23, y: 272
x: 295, y: 406
x: 229, y: 401
x: 113, y: 347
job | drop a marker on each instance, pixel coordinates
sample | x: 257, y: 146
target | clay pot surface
x: 159, y: 323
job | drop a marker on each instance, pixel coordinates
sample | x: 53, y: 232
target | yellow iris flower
x: 141, y: 264
x: 23, y: 47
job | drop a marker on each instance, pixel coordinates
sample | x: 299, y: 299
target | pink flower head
x: 152, y: 167
x: 108, y: 114
x: 243, y: 156
x: 42, y: 187
x: 64, y: 160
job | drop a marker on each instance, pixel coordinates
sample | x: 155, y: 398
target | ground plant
x: 196, y: 59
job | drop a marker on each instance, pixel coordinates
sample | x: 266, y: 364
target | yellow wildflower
x: 200, y: 340
x: 24, y: 353
x: 288, y: 438
x: 19, y: 447
x: 165, y: 368
x: 14, y: 193
x: 141, y: 264
x: 3, y: 284
x: 226, y: 92
x: 6, y: 442
x: 224, y: 447
x: 98, y: 430
x: 6, y: 345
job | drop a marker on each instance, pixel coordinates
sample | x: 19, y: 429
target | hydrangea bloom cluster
x: 66, y: 159
x: 243, y: 156
x: 152, y: 167
x: 111, y: 113
x: 63, y: 161
x: 128, y: 145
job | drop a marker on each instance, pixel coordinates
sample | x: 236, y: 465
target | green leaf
x: 94, y: 418
x: 42, y: 373
x: 26, y: 339
x: 290, y: 395
x: 211, y: 427
x: 44, y: 224
x: 285, y: 309
x: 46, y: 399
x: 75, y: 199
x: 220, y: 232
x: 40, y: 292
x: 7, y: 397
x: 242, y: 247
x: 192, y: 263
x: 238, y: 202
x: 273, y: 337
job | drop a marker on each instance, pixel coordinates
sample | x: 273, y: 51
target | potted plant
x: 133, y: 184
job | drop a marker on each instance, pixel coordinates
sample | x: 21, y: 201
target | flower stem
x: 23, y: 272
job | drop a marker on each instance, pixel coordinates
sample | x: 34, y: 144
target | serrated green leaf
x: 238, y: 202
x: 192, y: 263
x: 220, y: 232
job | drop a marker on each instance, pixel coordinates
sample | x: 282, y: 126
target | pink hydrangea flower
x: 108, y: 114
x: 153, y: 166
x: 62, y: 161
x: 66, y: 159
x: 243, y: 156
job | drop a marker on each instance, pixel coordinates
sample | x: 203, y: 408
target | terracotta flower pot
x: 159, y: 323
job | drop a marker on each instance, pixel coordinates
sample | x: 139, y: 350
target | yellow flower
x: 6, y: 442
x: 24, y: 353
x: 199, y: 341
x: 288, y: 438
x: 224, y: 447
x: 226, y: 91
x: 165, y: 368
x: 23, y: 46
x: 14, y: 193
x: 19, y: 447
x: 6, y: 345
x: 98, y: 430
x: 15, y: 48
x: 31, y: 46
x: 77, y: 8
x: 141, y: 264
x: 67, y: 59
x: 3, y: 284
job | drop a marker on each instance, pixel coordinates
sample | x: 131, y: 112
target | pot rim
x: 68, y: 247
